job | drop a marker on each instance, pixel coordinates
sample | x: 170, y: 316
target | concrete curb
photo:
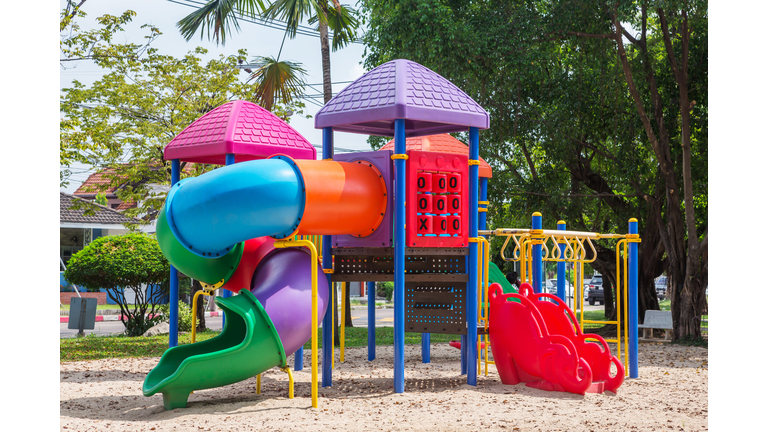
x: 100, y: 318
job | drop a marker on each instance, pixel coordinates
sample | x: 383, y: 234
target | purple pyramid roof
x: 239, y: 127
x: 401, y: 89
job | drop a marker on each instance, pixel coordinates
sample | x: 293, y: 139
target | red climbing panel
x: 437, y: 205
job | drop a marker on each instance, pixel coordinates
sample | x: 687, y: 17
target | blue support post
x: 327, y: 265
x: 173, y: 316
x: 229, y: 159
x: 633, y: 312
x: 561, y: 279
x: 371, y: 321
x: 425, y: 341
x: 399, y: 257
x: 536, y: 253
x: 474, y: 154
x: 298, y: 359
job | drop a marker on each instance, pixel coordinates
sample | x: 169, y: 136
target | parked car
x: 595, y: 292
x: 661, y: 287
x: 552, y: 287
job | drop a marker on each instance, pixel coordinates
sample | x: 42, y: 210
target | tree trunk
x: 348, y: 307
x: 325, y: 51
x: 200, y: 303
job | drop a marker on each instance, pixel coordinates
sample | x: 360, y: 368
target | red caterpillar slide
x: 540, y: 343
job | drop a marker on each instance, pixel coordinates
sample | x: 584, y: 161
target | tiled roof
x: 401, y: 89
x: 105, y: 215
x: 91, y: 185
x: 443, y: 143
x: 241, y: 128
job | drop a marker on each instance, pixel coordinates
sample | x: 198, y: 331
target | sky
x: 258, y: 40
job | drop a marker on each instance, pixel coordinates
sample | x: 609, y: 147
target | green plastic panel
x: 210, y: 271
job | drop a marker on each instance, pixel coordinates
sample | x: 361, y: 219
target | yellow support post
x: 290, y: 381
x: 194, y: 311
x: 258, y: 384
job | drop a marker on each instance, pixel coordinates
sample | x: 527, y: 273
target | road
x: 384, y: 318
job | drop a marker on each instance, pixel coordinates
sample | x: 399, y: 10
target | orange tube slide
x: 341, y: 198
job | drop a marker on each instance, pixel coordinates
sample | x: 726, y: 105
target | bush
x: 385, y: 289
x: 124, y: 262
x: 185, y: 316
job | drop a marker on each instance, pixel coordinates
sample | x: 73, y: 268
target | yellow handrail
x: 577, y: 245
x: 483, y: 268
x: 194, y: 311
x: 313, y: 250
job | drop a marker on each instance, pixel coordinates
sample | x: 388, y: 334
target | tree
x: 125, y: 262
x: 123, y: 121
x: 196, y: 286
x: 219, y: 17
x: 670, y: 53
x: 566, y: 136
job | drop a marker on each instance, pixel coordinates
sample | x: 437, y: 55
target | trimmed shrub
x: 124, y: 262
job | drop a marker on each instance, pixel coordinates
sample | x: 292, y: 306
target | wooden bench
x: 655, y: 319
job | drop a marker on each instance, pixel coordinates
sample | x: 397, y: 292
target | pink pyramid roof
x: 442, y: 143
x: 239, y: 127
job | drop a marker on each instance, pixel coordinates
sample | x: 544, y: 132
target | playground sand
x: 670, y: 395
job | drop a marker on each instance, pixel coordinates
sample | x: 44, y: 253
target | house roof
x: 94, y: 183
x: 104, y: 216
x: 401, y: 89
x: 441, y: 143
x: 241, y: 128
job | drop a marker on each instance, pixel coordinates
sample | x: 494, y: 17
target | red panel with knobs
x: 437, y: 208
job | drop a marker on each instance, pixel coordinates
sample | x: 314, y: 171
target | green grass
x: 359, y: 303
x: 690, y: 341
x: 119, y: 346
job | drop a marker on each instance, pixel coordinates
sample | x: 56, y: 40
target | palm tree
x: 218, y: 18
x: 277, y: 81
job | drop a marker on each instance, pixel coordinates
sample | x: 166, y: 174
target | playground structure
x: 277, y: 228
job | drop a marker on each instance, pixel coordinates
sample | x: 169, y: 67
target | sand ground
x: 671, y: 394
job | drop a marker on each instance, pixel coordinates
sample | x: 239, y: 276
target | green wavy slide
x: 247, y: 346
x: 495, y: 275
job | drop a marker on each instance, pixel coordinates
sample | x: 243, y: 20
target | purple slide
x: 282, y: 283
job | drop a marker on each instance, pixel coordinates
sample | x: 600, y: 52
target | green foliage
x: 101, y: 198
x: 143, y: 101
x: 120, y: 263
x: 277, y: 81
x: 385, y: 289
x: 185, y: 316
x: 114, y: 262
x: 566, y: 137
